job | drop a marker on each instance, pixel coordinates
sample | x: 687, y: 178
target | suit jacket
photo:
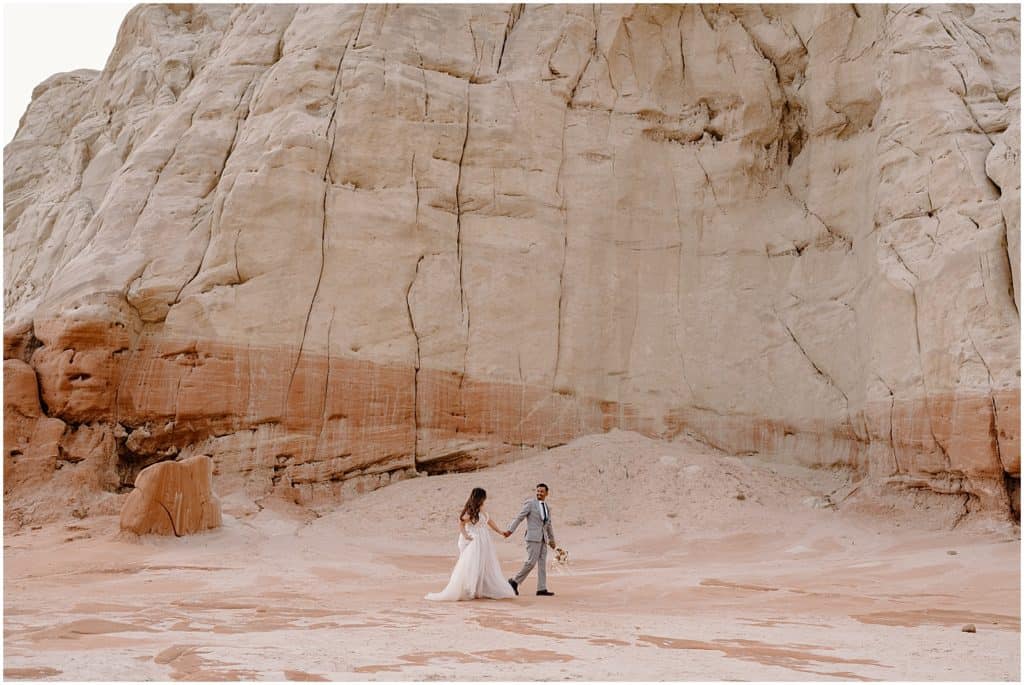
x: 536, y: 529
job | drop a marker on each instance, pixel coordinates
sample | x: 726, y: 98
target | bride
x: 476, y: 573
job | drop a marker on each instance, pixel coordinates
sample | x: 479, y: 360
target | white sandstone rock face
x: 331, y: 246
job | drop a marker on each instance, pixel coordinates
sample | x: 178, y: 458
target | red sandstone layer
x: 311, y: 426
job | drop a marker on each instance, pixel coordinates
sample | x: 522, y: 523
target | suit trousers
x: 536, y: 553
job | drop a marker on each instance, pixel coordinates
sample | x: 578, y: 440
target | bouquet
x: 560, y: 563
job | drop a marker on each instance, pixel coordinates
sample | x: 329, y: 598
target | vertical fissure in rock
x: 463, y: 303
x: 967, y: 106
x: 324, y: 413
x: 416, y: 185
x: 679, y: 287
x: 563, y: 213
x: 522, y: 400
x: 561, y: 299
x: 994, y: 423
x: 924, y: 382
x: 234, y: 251
x: 330, y: 133
x: 988, y: 370
x: 245, y: 119
x: 135, y: 338
x: 416, y: 367
x: 177, y: 390
x: 458, y: 208
x: 279, y: 48
x: 513, y: 16
x: 1012, y: 287
x: 590, y: 58
x: 994, y: 429
x: 170, y: 518
x: 160, y: 171
x: 707, y: 179
x: 359, y: 30
x: 682, y: 55
x: 892, y: 439
x: 892, y: 411
x: 246, y: 98
x: 475, y: 76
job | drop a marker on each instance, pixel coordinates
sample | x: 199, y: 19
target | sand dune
x: 685, y: 564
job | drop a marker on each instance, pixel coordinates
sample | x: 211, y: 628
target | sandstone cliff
x: 332, y: 246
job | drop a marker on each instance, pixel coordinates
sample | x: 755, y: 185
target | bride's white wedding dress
x: 477, y: 572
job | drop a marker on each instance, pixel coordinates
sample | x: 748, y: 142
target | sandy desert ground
x: 685, y: 565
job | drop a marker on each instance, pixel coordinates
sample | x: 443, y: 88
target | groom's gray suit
x: 539, y: 533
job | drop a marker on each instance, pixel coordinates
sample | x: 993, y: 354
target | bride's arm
x: 462, y: 528
x: 494, y: 527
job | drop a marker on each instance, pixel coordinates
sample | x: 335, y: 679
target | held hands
x: 506, y: 533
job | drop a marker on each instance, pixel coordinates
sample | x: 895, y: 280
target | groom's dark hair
x: 543, y: 485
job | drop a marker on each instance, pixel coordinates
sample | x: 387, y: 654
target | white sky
x: 42, y: 39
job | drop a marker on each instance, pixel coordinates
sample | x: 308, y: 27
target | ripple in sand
x: 516, y: 656
x: 89, y: 626
x: 303, y: 676
x: 943, y: 617
x: 189, y: 663
x: 794, y: 657
x: 35, y: 673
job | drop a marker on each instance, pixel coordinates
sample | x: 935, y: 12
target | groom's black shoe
x: 515, y: 586
x: 544, y: 593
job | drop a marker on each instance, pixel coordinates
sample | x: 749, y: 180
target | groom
x: 538, y: 531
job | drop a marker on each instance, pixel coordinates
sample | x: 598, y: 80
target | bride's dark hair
x: 473, y: 504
